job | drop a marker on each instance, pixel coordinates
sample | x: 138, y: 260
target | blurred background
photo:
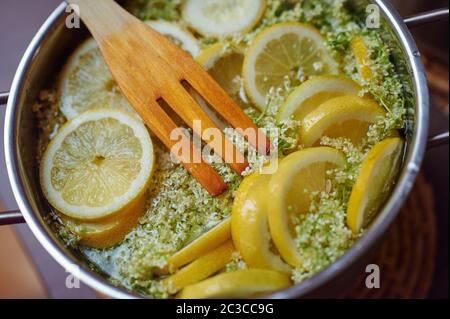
x: 26, y: 269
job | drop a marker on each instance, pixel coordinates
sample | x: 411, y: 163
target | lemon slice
x: 110, y: 232
x: 97, y: 164
x: 86, y: 83
x: 375, y: 181
x: 199, y: 247
x: 286, y: 50
x: 312, y: 93
x: 220, y: 18
x: 298, y: 175
x: 200, y: 269
x: 250, y: 227
x: 225, y: 66
x: 348, y: 116
x: 362, y: 56
x: 237, y: 284
x: 182, y: 38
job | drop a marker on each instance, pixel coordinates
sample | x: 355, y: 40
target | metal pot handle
x: 3, y: 98
x: 419, y: 20
x: 9, y: 217
x: 426, y: 17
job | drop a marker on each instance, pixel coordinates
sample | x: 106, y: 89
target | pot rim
x: 378, y: 228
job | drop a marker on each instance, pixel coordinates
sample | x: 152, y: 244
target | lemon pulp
x: 312, y: 93
x: 284, y: 51
x: 376, y: 179
x: 348, y: 116
x: 110, y: 231
x: 220, y: 18
x: 97, y: 164
x: 250, y: 227
x: 177, y: 35
x: 86, y: 83
x: 362, y: 57
x: 298, y: 177
x: 225, y: 66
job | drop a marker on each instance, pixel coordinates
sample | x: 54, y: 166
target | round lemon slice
x: 97, y: 164
x: 110, y: 232
x: 376, y: 179
x: 349, y: 116
x: 220, y: 18
x: 86, y: 83
x: 286, y: 50
x: 314, y: 92
x: 250, y: 227
x: 237, y: 284
x: 200, y: 269
x: 298, y: 176
x: 182, y: 38
x: 362, y: 56
x: 225, y: 66
x: 199, y: 247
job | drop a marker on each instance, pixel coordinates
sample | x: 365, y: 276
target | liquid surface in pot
x: 332, y: 89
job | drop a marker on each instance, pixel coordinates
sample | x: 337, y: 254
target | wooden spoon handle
x: 104, y: 18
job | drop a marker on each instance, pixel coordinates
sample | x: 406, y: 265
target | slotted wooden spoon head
x: 149, y: 68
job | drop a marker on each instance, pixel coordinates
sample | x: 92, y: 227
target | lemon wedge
x: 250, y: 227
x: 375, y: 181
x: 220, y: 18
x: 97, y: 164
x: 286, y: 50
x: 298, y: 175
x: 182, y: 38
x: 86, y: 83
x: 225, y: 66
x: 237, y: 284
x: 348, y: 116
x: 362, y: 56
x: 110, y: 232
x: 199, y: 247
x: 314, y: 92
x: 201, y: 268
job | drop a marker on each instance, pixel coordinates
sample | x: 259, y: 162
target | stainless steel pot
x: 53, y: 42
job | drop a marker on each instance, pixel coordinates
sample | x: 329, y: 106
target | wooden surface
x: 437, y: 75
x: 18, y: 275
x: 408, y: 255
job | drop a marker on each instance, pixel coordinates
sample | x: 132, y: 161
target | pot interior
x: 39, y: 70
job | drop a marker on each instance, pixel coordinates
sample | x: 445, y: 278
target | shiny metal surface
x: 3, y: 98
x: 11, y: 217
x: 438, y: 140
x: 53, y: 42
x: 423, y: 18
